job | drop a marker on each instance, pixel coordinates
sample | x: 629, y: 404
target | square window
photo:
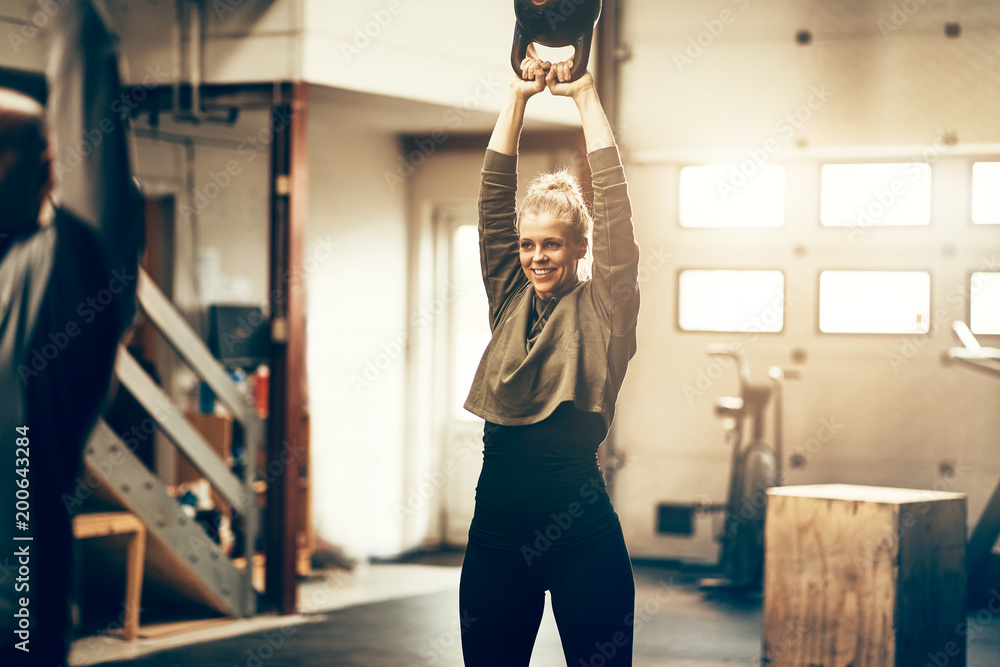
x: 986, y: 193
x: 723, y: 300
x: 875, y: 195
x: 723, y: 196
x: 874, y: 302
x: 984, y: 305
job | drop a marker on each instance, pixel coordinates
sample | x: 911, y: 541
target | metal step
x: 174, y: 425
x: 199, y: 569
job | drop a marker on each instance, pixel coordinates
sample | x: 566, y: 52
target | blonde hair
x: 559, y: 194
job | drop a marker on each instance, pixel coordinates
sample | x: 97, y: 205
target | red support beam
x: 288, y: 447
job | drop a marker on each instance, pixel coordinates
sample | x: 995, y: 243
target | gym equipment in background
x: 755, y: 467
x: 239, y: 335
x: 979, y: 549
x: 972, y: 353
x: 555, y: 23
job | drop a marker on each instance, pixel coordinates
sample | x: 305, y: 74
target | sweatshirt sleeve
x: 616, y: 253
x: 93, y: 179
x: 498, y: 252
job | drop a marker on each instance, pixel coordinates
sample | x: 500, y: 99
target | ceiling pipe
x: 190, y: 39
x: 612, y: 52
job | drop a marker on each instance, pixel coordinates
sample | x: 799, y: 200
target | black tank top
x: 541, y: 487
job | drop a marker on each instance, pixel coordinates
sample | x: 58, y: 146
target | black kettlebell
x: 555, y: 23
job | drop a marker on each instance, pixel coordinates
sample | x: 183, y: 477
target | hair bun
x: 557, y: 181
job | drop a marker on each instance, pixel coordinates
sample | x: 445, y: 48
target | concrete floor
x: 405, y: 616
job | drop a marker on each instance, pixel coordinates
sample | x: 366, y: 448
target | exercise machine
x: 755, y: 466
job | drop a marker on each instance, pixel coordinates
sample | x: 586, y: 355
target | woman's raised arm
x: 596, y: 128
x: 507, y: 130
x: 616, y: 253
x: 501, y: 266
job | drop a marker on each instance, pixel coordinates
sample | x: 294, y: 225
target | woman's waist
x: 529, y: 491
x: 541, y: 462
x: 564, y: 526
x: 566, y: 428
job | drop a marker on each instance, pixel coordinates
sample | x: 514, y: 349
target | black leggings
x: 502, y: 597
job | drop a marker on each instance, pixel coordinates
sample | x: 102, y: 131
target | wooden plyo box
x: 862, y: 576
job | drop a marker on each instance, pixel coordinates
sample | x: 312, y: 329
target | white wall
x: 697, y: 82
x: 237, y: 34
x: 877, y: 93
x: 356, y: 313
x: 218, y: 175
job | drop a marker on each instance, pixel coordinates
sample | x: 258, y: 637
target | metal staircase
x: 181, y: 551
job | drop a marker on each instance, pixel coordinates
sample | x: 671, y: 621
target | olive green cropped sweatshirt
x: 583, y: 350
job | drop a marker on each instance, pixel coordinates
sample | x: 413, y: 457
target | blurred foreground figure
x: 67, y: 288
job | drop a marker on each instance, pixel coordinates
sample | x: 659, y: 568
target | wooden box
x: 217, y: 430
x: 861, y: 576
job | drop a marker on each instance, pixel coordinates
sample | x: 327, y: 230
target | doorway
x: 462, y: 337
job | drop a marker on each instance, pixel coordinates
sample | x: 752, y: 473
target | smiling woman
x: 546, y: 387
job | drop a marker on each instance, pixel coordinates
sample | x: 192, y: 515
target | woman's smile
x: 549, y: 253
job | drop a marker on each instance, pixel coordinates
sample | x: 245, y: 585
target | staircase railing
x: 146, y: 496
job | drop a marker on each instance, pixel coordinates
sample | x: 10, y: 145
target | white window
x: 874, y: 302
x: 986, y: 193
x: 470, y: 311
x: 875, y: 195
x: 724, y: 300
x: 725, y: 196
x: 985, y: 303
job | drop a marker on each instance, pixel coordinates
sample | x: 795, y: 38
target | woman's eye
x: 525, y: 246
x: 552, y: 244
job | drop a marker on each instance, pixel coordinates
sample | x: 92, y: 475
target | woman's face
x: 549, y: 254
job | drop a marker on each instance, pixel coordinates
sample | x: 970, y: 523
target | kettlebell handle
x: 581, y: 57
